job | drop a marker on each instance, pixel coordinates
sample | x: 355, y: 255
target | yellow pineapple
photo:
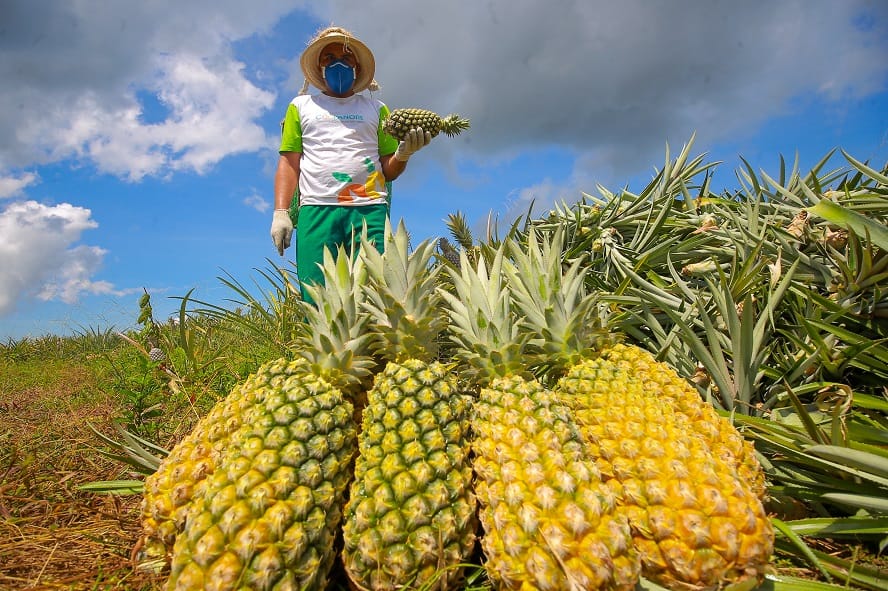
x: 722, y: 437
x: 267, y: 517
x: 549, y: 521
x: 400, y: 121
x: 410, y: 519
x: 170, y: 490
x: 695, y: 522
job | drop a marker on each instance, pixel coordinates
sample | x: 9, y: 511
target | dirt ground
x: 52, y: 535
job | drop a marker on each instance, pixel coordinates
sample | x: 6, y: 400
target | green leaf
x: 876, y: 466
x: 869, y: 502
x: 813, y: 430
x: 860, y: 224
x: 801, y: 546
x: 117, y: 487
x: 870, y: 172
x: 851, y: 572
x: 830, y: 527
x: 782, y: 583
x: 860, y: 433
x: 870, y: 402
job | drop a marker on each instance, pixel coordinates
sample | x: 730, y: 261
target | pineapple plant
x: 268, y: 515
x: 410, y: 518
x: 696, y: 523
x: 549, y: 521
x: 401, y: 121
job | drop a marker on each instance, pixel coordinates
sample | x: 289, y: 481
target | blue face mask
x: 340, y: 77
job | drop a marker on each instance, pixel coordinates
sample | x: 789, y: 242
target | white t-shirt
x: 341, y: 140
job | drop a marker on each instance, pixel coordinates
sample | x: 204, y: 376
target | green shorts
x: 329, y: 226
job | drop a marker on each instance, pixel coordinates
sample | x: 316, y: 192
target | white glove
x: 281, y: 229
x: 413, y: 142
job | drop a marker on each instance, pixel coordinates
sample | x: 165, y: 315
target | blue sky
x: 138, y: 139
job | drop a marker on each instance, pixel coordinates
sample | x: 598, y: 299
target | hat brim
x: 311, y: 69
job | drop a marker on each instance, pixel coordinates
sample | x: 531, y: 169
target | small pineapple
x: 410, y: 519
x: 450, y: 254
x: 400, y: 121
x: 549, y: 521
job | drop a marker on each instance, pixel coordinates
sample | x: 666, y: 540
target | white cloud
x: 72, y: 277
x: 12, y: 186
x: 616, y: 78
x: 74, y: 72
x: 619, y: 79
x: 37, y: 256
x: 212, y: 111
x: 257, y: 202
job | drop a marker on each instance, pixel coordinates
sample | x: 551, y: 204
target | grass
x: 52, y: 535
x: 53, y: 392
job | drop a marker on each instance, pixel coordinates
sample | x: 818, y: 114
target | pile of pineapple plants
x: 674, y: 388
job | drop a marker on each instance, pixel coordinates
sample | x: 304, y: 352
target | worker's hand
x: 281, y: 229
x: 413, y: 142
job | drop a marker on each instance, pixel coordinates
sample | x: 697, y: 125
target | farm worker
x: 334, y: 151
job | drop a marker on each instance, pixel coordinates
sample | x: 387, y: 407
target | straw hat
x: 311, y: 68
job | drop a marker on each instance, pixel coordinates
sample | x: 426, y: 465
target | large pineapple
x: 549, y: 521
x: 174, y: 485
x: 722, y: 437
x: 695, y: 522
x: 268, y: 516
x: 410, y: 519
x: 400, y: 121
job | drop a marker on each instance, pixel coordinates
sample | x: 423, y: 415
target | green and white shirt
x: 341, y: 140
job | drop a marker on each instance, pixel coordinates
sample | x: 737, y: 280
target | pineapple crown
x: 483, y: 324
x: 400, y: 296
x: 337, y: 342
x: 556, y: 312
x: 453, y: 124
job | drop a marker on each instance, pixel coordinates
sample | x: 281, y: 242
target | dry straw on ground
x: 52, y: 535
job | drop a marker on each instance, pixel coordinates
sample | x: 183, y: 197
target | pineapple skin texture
x: 549, y: 522
x: 695, y: 522
x: 718, y: 431
x: 170, y: 490
x: 411, y: 509
x: 266, y: 518
x: 400, y: 121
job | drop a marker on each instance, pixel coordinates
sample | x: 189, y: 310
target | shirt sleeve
x: 387, y: 144
x: 291, y: 133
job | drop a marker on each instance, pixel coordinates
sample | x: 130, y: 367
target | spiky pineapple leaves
x: 482, y: 325
x: 401, y: 298
x: 337, y: 344
x: 553, y: 299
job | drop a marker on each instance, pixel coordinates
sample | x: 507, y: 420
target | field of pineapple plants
x: 675, y: 389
